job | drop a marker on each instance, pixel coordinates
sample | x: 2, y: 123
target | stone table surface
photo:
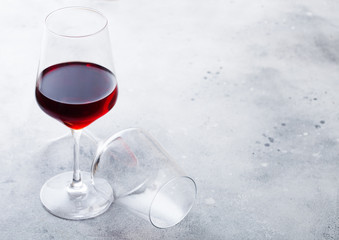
x: 243, y: 94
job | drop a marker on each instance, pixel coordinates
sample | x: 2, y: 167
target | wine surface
x: 76, y: 93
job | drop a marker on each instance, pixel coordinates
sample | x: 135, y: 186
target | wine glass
x: 145, y: 178
x: 76, y: 85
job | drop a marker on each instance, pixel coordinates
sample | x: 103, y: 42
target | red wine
x: 76, y: 93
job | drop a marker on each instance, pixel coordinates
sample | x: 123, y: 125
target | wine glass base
x: 63, y: 202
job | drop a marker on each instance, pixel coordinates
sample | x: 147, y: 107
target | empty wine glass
x: 76, y: 85
x: 144, y: 178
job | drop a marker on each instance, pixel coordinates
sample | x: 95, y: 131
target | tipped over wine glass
x: 76, y: 85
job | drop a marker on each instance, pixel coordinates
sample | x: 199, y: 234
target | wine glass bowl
x: 76, y: 93
x: 76, y: 85
x: 144, y: 177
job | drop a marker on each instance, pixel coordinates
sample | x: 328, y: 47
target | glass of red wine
x: 76, y: 85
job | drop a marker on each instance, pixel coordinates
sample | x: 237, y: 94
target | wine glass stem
x: 76, y: 169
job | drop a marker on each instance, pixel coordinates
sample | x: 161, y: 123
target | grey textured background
x: 243, y: 94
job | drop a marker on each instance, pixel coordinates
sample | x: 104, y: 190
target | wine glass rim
x: 76, y: 7
x: 191, y: 180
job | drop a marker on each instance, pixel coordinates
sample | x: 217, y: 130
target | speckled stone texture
x: 243, y: 95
